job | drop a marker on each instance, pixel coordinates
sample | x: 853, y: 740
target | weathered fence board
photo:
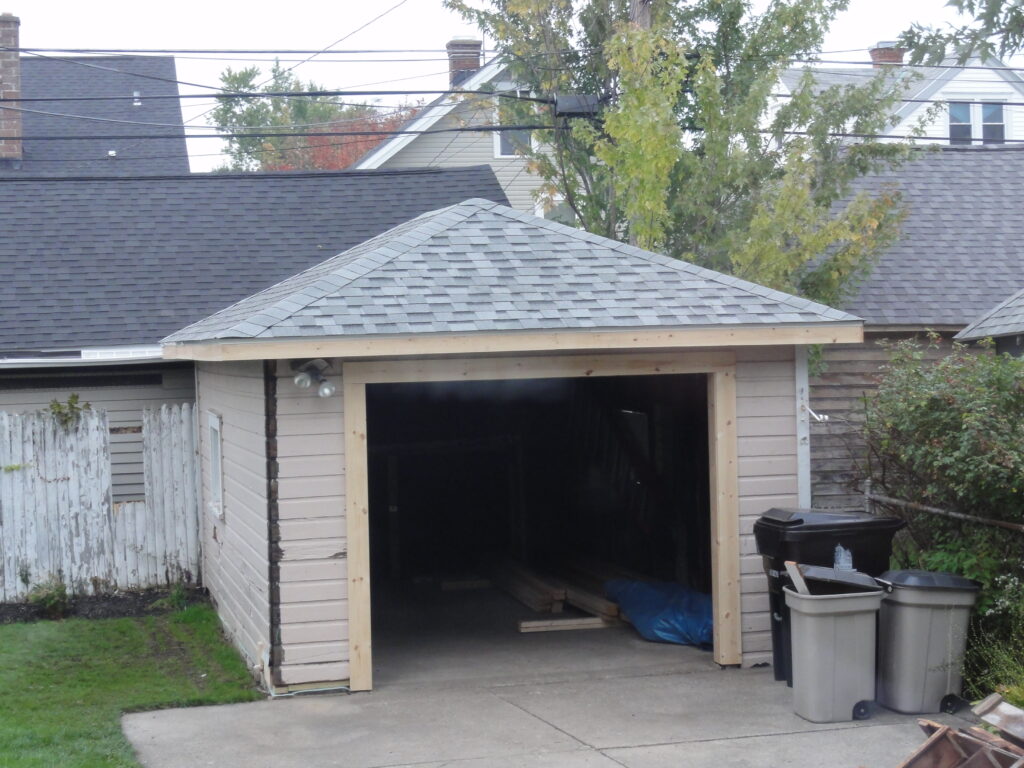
x: 57, y: 519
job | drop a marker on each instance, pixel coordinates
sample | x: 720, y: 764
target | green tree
x: 303, y: 117
x: 996, y: 29
x: 692, y: 154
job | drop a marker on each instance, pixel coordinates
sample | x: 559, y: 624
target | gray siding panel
x: 837, y: 449
x: 235, y: 547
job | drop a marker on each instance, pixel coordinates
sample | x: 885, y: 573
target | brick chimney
x: 463, y: 59
x: 10, y: 88
x: 887, y: 52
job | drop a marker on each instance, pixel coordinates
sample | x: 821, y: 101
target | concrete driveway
x: 693, y: 716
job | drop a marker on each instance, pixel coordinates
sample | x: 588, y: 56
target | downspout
x: 803, y: 429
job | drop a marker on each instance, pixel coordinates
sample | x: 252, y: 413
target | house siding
x: 121, y: 396
x: 311, y: 524
x: 766, y: 430
x: 976, y: 85
x: 235, y: 547
x: 448, y: 150
x: 837, y: 449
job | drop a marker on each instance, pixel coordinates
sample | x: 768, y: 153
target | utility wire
x: 505, y: 94
x: 283, y: 134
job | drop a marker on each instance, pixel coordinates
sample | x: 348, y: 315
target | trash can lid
x: 821, y: 521
x: 928, y: 580
x: 856, y: 580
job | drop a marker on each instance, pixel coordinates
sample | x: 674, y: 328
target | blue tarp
x: 664, y: 612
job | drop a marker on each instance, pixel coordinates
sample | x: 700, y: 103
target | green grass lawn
x: 64, y: 684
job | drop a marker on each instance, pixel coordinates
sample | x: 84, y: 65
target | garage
x: 489, y: 392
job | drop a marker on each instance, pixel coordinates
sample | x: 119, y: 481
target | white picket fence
x: 56, y: 515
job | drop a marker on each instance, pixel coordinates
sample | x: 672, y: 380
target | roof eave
x: 518, y: 342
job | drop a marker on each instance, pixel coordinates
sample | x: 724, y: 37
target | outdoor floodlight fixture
x: 309, y: 371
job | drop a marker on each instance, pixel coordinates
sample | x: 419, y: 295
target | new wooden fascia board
x: 514, y: 343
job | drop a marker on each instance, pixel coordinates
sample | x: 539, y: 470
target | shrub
x: 51, y: 597
x: 950, y: 434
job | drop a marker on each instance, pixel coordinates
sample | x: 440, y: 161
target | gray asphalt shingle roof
x: 961, y: 248
x: 1007, y: 319
x: 104, y: 262
x: 478, y: 266
x: 100, y: 76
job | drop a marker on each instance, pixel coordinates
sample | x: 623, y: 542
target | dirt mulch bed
x: 112, y: 606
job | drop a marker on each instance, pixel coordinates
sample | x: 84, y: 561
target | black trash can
x: 812, y: 537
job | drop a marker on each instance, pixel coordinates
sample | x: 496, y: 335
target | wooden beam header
x: 531, y: 342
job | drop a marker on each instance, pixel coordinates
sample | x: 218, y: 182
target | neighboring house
x: 83, y: 99
x: 1004, y: 324
x: 977, y: 95
x: 447, y: 150
x: 978, y: 112
x: 465, y: 326
x: 961, y: 250
x: 98, y: 270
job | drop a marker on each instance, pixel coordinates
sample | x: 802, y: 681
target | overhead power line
x: 510, y: 94
x: 285, y: 134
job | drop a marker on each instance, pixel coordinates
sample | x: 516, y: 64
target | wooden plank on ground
x: 526, y: 586
x: 557, y: 625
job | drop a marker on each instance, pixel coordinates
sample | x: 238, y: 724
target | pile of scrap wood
x: 974, y: 747
x: 579, y: 583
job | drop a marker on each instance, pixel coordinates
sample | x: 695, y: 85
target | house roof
x: 961, y: 247
x: 107, y: 261
x: 482, y: 267
x: 100, y: 76
x: 1006, y: 319
x: 428, y: 117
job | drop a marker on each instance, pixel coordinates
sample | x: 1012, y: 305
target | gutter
x: 89, y: 357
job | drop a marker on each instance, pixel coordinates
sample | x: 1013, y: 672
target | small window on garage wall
x: 216, y: 503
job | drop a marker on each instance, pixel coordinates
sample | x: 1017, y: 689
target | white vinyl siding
x: 968, y: 86
x: 122, y: 400
x: 235, y: 548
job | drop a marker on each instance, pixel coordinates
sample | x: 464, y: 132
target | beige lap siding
x: 311, y: 515
x: 767, y: 454
x: 235, y: 567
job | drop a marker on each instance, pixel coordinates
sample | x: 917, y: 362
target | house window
x: 511, y: 143
x: 216, y: 502
x: 959, y: 122
x: 970, y: 122
x: 557, y: 210
x: 993, y: 130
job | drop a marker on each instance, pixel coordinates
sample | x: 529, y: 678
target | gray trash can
x: 833, y: 654
x: 922, y: 635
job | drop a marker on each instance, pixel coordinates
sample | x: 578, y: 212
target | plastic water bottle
x: 843, y: 559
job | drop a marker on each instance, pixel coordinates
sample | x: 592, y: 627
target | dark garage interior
x: 481, y: 491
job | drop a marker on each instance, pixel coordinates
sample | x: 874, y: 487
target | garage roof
x: 481, y: 267
x: 1007, y: 319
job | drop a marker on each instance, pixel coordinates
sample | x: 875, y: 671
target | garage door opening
x: 482, y: 493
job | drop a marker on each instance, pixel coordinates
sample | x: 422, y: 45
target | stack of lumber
x: 578, y: 584
x: 966, y: 748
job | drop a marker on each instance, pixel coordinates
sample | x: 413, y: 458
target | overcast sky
x: 315, y: 24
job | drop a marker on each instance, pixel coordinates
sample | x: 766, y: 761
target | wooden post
x: 357, y: 517
x: 725, y: 535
